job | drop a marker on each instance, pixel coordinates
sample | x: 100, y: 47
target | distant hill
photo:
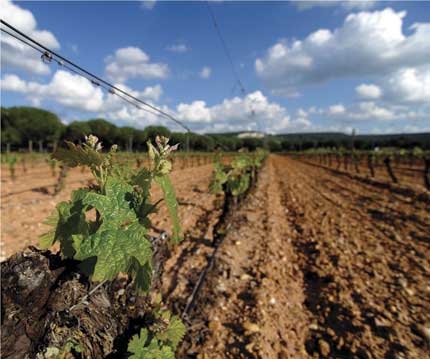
x: 331, y: 139
x: 340, y: 135
x: 294, y: 141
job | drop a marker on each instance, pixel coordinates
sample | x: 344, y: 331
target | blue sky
x: 308, y: 66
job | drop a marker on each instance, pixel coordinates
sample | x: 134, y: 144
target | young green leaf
x: 140, y: 349
x: 119, y: 251
x: 74, y: 156
x: 172, y: 204
x: 175, y: 331
x: 119, y: 244
x: 67, y: 220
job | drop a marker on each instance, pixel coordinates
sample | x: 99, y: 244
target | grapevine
x: 235, y: 178
x: 11, y: 161
x: 117, y: 241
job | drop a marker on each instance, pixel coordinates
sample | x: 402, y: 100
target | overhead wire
x: 22, y: 40
x: 47, y: 59
x: 225, y: 48
x: 109, y: 90
x: 93, y: 78
x: 230, y: 59
x: 48, y: 56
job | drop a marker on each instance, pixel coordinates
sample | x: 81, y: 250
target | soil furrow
x: 366, y: 293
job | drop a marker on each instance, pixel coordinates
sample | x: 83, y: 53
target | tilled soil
x: 315, y: 265
x: 28, y: 201
x: 407, y: 176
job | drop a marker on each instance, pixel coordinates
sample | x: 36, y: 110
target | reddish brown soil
x: 408, y: 175
x: 317, y: 265
x: 27, y: 201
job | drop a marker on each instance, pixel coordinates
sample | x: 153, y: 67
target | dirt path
x: 253, y: 301
x: 316, y: 266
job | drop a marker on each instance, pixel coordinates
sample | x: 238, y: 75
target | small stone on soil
x: 324, y: 347
x: 272, y: 301
x: 251, y: 327
x: 215, y: 325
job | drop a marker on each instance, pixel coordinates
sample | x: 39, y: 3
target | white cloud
x: 64, y: 88
x: 411, y: 85
x: 132, y: 62
x: 178, y: 48
x: 301, y: 113
x: 405, y: 86
x: 336, y: 109
x: 368, y: 43
x: 370, y: 110
x: 253, y: 112
x: 347, y: 5
x: 369, y: 113
x: 16, y: 54
x: 205, y: 73
x: 75, y: 92
x: 368, y: 91
x: 152, y: 92
x: 13, y: 83
x: 197, y: 111
x: 149, y: 94
x: 148, y: 4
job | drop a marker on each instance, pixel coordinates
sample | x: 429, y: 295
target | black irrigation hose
x: 217, y: 241
x: 426, y: 173
x: 192, y: 299
x: 230, y: 203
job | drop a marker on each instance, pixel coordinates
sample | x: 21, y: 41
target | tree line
x: 334, y: 140
x: 29, y: 128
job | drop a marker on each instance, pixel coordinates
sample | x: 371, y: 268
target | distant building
x: 251, y: 134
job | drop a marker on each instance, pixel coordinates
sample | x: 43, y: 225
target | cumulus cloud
x: 197, y: 111
x: 368, y: 91
x: 347, y: 5
x: 205, y: 73
x: 13, y: 83
x: 132, y: 62
x: 64, y: 88
x: 178, y: 48
x: 372, y: 111
x: 75, y: 92
x: 152, y: 92
x: 408, y: 85
x: 336, y: 109
x: 16, y: 54
x: 252, y: 112
x: 368, y: 43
